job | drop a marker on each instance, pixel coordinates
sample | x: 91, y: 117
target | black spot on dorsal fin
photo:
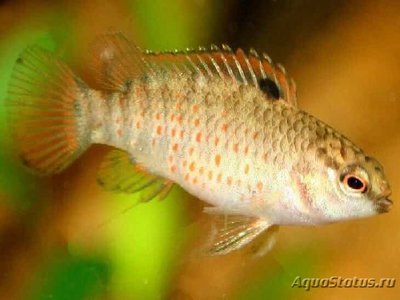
x: 270, y: 88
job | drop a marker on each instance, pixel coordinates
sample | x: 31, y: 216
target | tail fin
x: 45, y: 112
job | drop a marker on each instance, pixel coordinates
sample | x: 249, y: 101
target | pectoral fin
x: 120, y: 173
x: 232, y: 232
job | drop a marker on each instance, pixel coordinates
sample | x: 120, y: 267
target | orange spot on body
x: 121, y: 102
x: 181, y: 134
x: 236, y: 148
x: 178, y: 106
x: 219, y: 177
x: 259, y: 186
x: 216, y: 141
x: 201, y: 170
x: 192, y: 167
x: 246, y: 150
x: 223, y: 114
x: 179, y: 119
x: 173, y: 168
x: 170, y: 158
x: 187, y: 177
x: 158, y: 116
x: 210, y: 175
x: 255, y: 135
x: 142, y: 113
x: 198, y: 137
x: 225, y: 127
x: 229, y: 180
x: 197, y: 122
x: 246, y: 169
x: 184, y: 163
x: 175, y: 147
x: 172, y: 117
x: 195, y: 108
x: 159, y: 130
x: 217, y: 160
x: 119, y: 120
x: 119, y: 132
x: 138, y: 91
x: 191, y: 151
x: 138, y: 125
x: 153, y: 142
x: 173, y: 132
x: 194, y: 180
x: 265, y: 157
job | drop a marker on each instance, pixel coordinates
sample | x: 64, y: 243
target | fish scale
x: 223, y: 125
x: 163, y: 98
x: 158, y: 144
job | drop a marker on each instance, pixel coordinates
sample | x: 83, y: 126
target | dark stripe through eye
x: 270, y: 88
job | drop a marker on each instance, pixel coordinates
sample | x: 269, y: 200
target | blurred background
x: 64, y: 238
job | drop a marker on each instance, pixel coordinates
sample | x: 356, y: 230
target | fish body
x: 224, y: 126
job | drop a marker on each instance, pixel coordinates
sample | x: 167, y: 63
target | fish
x: 223, y: 125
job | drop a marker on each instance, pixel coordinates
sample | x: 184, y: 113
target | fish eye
x: 355, y: 183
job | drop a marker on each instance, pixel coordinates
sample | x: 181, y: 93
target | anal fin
x: 233, y: 232
x: 120, y: 173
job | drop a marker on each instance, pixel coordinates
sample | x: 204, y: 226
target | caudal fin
x: 45, y: 112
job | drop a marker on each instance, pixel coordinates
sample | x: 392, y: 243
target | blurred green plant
x: 278, y: 285
x: 15, y: 183
x: 66, y: 277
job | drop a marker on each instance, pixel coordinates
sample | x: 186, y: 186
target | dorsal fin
x: 118, y: 61
x: 249, y: 69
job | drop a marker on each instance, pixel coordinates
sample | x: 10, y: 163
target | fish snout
x: 384, y: 205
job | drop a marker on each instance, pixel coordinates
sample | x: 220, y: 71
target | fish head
x: 347, y: 184
x: 362, y: 180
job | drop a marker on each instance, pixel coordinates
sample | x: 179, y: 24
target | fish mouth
x: 384, y: 205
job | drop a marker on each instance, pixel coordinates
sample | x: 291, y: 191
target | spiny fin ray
x: 117, y: 62
x: 247, y: 69
x: 233, y: 232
